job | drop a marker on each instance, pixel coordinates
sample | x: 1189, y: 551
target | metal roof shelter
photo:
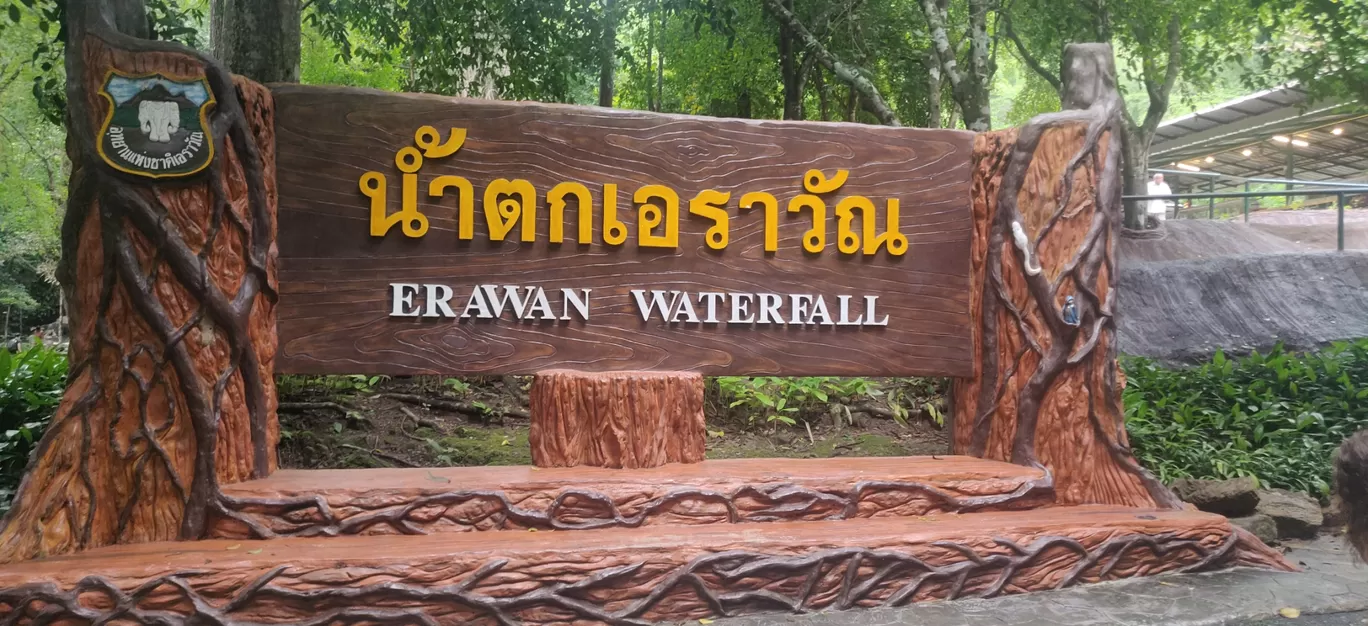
x: 1277, y: 133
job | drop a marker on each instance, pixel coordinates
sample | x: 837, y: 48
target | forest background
x: 976, y: 64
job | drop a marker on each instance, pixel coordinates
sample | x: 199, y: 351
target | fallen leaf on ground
x: 234, y: 546
x: 1289, y: 612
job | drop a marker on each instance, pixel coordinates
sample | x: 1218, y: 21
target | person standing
x: 1157, y: 210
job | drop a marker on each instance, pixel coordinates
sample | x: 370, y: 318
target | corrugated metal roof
x: 1236, y: 137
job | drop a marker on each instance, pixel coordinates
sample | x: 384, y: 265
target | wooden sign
x: 423, y: 234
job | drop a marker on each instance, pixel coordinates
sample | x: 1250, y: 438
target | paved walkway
x: 1331, y: 583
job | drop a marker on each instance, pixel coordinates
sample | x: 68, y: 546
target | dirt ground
x: 342, y: 422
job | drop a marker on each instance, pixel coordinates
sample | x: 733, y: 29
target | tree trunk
x: 650, y: 60
x: 969, y: 89
x: 258, y: 39
x: 743, y: 104
x: 660, y: 66
x: 1135, y: 176
x: 978, y: 110
x: 620, y: 420
x: 852, y: 104
x: 608, y: 56
x: 1046, y: 218
x: 848, y: 74
x: 788, y: 69
x: 171, y: 290
x: 823, y: 94
x: 933, y: 91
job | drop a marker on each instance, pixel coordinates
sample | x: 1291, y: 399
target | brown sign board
x: 421, y: 234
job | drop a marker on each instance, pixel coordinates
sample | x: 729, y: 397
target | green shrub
x: 31, y: 384
x: 1277, y: 417
x: 783, y: 399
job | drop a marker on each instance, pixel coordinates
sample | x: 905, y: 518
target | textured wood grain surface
x: 335, y: 297
x: 623, y: 576
x: 173, y: 325
x: 616, y: 419
x: 1077, y: 420
x: 730, y: 491
x: 1045, y: 389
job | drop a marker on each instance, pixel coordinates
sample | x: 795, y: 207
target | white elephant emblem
x: 159, y: 119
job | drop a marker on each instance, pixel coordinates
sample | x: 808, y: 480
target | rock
x: 1261, y: 526
x: 1335, y: 517
x: 1233, y: 497
x: 1297, y: 515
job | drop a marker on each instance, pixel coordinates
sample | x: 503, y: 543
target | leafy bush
x: 294, y: 385
x: 31, y: 384
x: 781, y: 399
x: 1277, y: 417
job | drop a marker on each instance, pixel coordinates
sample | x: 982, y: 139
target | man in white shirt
x: 1157, y: 210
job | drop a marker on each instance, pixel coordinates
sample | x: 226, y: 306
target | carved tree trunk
x: 172, y: 292
x: 1047, y: 211
x: 620, y: 420
x: 258, y: 39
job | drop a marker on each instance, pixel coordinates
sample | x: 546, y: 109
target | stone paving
x: 1331, y: 583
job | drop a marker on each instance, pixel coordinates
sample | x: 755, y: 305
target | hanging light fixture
x: 1210, y: 159
x: 1189, y: 168
x: 1337, y: 131
x: 1300, y: 143
x: 1281, y: 138
x: 1247, y: 152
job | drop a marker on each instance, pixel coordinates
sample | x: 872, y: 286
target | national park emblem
x: 156, y: 126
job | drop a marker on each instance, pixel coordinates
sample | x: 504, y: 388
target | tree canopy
x: 938, y: 63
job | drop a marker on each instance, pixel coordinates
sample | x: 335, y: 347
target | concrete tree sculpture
x: 172, y: 292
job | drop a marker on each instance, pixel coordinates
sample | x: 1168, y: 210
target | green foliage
x: 32, y: 189
x: 1322, y: 44
x: 294, y: 385
x: 524, y: 49
x: 1277, y: 417
x: 782, y: 399
x: 320, y: 63
x: 458, y: 387
x: 45, y: 22
x: 31, y: 384
x: 476, y: 446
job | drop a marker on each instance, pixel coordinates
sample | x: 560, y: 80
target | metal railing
x: 1335, y: 189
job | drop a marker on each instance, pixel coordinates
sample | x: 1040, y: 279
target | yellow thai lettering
x: 771, y: 206
x: 815, y: 182
x: 508, y: 203
x: 505, y: 203
x: 465, y: 211
x: 373, y: 186
x: 584, y: 205
x: 614, y: 231
x: 846, y: 240
x: 849, y: 243
x: 652, y: 216
x: 427, y: 138
x: 895, y: 241
x: 711, y: 204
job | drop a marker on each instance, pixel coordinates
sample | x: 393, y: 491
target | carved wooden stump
x: 619, y: 419
x: 172, y: 288
x: 1047, y: 210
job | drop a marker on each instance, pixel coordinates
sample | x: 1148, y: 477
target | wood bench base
x: 420, y: 501
x: 623, y: 576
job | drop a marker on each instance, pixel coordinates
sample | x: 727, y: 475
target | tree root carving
x: 586, y: 509
x: 726, y: 583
